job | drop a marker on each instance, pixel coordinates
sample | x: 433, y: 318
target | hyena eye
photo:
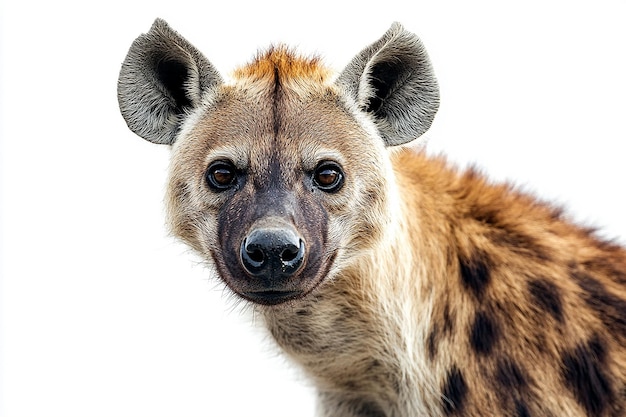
x: 328, y: 177
x: 221, y: 175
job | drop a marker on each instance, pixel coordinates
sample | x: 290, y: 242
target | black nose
x: 272, y: 254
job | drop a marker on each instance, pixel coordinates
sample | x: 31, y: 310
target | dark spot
x: 488, y: 215
x: 373, y: 366
x: 443, y: 327
x: 511, y: 385
x: 448, y: 320
x: 454, y: 392
x: 303, y: 312
x: 611, y: 265
x: 521, y: 409
x: 484, y: 333
x: 547, y: 297
x: 475, y: 272
x: 519, y: 243
x: 584, y: 374
x: 432, y: 342
x: 505, y: 234
x: 509, y: 376
x: 451, y: 257
x: 610, y: 308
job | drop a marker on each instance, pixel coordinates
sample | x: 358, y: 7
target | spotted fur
x: 423, y: 291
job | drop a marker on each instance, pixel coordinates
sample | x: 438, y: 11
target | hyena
x: 399, y: 284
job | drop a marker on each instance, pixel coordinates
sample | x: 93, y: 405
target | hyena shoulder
x: 536, y: 312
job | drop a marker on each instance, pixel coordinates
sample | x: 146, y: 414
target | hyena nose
x: 272, y: 253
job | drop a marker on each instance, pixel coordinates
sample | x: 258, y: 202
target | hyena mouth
x: 272, y: 297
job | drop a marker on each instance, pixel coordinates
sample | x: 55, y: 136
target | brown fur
x: 280, y: 62
x: 424, y: 291
x: 526, y: 301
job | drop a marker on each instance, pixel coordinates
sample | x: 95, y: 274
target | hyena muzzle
x: 401, y: 286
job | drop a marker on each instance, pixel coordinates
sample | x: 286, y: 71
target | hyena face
x: 279, y: 177
x: 265, y: 183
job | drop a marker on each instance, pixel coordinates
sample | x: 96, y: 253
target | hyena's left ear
x: 162, y: 78
x: 392, y: 79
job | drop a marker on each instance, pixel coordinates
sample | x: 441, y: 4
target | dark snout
x: 272, y: 256
x: 272, y: 243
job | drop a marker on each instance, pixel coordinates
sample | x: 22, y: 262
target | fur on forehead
x: 282, y: 64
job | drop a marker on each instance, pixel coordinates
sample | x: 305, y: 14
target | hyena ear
x: 162, y: 78
x: 392, y: 80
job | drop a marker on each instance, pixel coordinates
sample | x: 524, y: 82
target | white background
x: 102, y: 314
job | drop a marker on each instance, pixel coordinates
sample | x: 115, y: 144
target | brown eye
x: 221, y: 175
x: 328, y: 177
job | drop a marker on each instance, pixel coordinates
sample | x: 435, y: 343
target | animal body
x: 400, y: 285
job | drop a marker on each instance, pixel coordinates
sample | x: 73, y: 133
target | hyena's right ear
x: 162, y: 78
x: 393, y: 81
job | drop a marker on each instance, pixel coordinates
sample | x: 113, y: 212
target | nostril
x: 252, y: 256
x: 292, y: 258
x: 255, y: 255
x: 290, y: 253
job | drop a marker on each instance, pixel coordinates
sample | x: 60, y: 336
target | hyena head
x: 281, y: 176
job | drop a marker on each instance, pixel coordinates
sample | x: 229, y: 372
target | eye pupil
x: 328, y: 177
x: 221, y: 175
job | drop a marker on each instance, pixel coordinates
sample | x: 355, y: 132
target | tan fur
x: 280, y: 62
x: 426, y: 291
x: 525, y: 240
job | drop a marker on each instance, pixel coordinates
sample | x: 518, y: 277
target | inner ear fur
x: 393, y: 81
x: 162, y: 78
